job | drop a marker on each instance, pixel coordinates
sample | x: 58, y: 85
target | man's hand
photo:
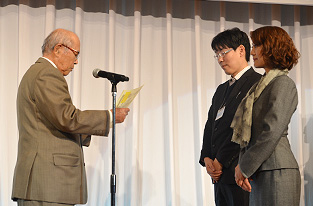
x: 218, y: 167
x: 213, y: 168
x: 241, y: 180
x: 120, y: 114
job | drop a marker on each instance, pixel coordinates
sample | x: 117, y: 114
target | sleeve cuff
x: 111, y: 121
x: 243, y: 173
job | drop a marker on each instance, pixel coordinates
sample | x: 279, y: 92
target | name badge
x: 220, y: 113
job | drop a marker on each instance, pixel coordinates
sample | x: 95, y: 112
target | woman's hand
x: 241, y: 180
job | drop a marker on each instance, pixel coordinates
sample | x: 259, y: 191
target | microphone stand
x: 114, y: 79
x: 113, y: 176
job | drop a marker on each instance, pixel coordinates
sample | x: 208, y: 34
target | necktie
x: 232, y: 81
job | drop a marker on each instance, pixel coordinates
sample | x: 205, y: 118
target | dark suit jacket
x: 217, y: 134
x: 50, y: 163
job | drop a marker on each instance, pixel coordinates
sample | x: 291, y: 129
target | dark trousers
x: 38, y: 203
x: 230, y: 195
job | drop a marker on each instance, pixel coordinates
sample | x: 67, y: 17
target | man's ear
x: 242, y: 50
x: 56, y: 49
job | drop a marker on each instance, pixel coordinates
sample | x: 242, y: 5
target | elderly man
x: 50, y: 164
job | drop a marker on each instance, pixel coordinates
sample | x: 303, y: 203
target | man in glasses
x: 219, y: 155
x: 50, y: 168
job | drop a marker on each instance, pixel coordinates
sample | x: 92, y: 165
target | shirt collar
x: 241, y: 73
x: 51, y: 62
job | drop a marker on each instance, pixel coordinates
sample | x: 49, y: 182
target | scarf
x: 242, y: 121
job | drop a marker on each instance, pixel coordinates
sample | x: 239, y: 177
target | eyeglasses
x: 75, y: 52
x: 222, y: 54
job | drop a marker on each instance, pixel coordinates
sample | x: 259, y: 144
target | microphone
x: 110, y: 76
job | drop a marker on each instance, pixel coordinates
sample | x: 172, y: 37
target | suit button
x: 213, y: 145
x: 215, y: 129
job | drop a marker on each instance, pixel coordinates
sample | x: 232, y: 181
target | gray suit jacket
x: 269, y: 148
x: 50, y: 163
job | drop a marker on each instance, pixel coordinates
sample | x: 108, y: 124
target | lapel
x: 238, y: 86
x: 221, y: 91
x: 221, y: 95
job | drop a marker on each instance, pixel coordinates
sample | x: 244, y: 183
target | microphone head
x: 95, y: 73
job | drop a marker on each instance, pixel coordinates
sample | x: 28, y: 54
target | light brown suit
x: 50, y: 163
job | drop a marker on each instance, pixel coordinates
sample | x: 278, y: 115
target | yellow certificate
x: 127, y: 97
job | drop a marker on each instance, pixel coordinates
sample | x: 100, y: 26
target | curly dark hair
x: 278, y: 49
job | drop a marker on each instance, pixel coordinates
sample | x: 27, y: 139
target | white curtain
x: 165, y: 46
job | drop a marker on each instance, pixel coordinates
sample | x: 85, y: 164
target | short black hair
x: 232, y: 38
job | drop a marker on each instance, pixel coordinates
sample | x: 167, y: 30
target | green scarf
x: 242, y: 121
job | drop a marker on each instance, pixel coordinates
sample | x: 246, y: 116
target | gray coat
x: 269, y: 148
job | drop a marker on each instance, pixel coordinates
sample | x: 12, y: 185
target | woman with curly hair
x: 267, y: 167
